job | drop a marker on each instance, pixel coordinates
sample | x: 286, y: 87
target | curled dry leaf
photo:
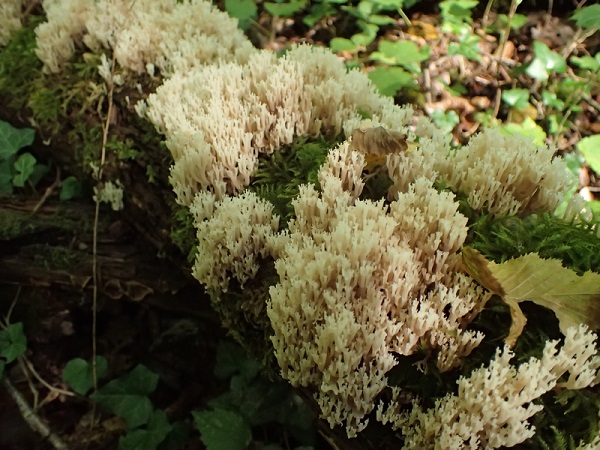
x: 574, y: 299
x: 378, y: 142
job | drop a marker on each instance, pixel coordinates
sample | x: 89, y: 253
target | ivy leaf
x: 13, y: 139
x: 545, y: 62
x: 574, y: 299
x: 127, y: 396
x: 243, y: 10
x: 78, y: 373
x: 285, y: 9
x: 587, y: 17
x: 70, y: 188
x: 156, y: 431
x: 342, y: 45
x: 221, y: 429
x: 389, y: 80
x: 590, y: 149
x: 24, y: 167
x: 13, y: 342
x: 517, y: 98
x: 404, y: 53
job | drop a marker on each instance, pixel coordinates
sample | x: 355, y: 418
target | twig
x: 38, y: 377
x: 49, y: 190
x: 29, y: 416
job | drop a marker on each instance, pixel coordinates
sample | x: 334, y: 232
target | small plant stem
x: 404, y: 17
x: 506, y: 32
x: 38, y: 377
x: 486, y: 14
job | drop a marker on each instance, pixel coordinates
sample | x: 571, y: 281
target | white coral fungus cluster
x: 492, y: 406
x: 502, y: 174
x: 218, y: 118
x: 233, y: 237
x: 10, y: 18
x: 143, y: 34
x: 361, y: 282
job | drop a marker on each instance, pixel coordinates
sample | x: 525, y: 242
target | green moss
x: 56, y: 258
x: 575, y: 244
x: 183, y: 231
x: 19, y: 66
x: 280, y: 174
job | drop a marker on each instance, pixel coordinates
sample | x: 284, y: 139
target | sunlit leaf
x: 518, y: 98
x: 389, y: 80
x: 545, y: 62
x: 590, y: 149
x: 574, y: 299
x: 588, y: 17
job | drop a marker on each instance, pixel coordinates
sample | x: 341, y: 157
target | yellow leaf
x: 574, y: 299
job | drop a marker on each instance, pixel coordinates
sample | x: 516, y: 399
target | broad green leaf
x: 551, y: 99
x: 221, y: 429
x: 379, y: 19
x: 545, y: 62
x: 404, y: 53
x: 342, y: 45
x: 241, y: 9
x: 574, y: 299
x: 78, y: 373
x: 587, y: 17
x: 587, y: 62
x: 527, y: 128
x: 151, y: 437
x: 468, y: 46
x: 233, y: 359
x: 70, y: 188
x: 13, y: 342
x: 457, y: 10
x: 517, y: 98
x: 127, y: 396
x: 367, y: 35
x: 24, y: 168
x: 13, y: 139
x: 389, y: 80
x: 590, y: 149
x: 285, y: 9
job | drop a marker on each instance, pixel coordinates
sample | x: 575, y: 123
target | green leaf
x: 446, y: 120
x: 127, y: 396
x: 243, y: 10
x: 78, y: 373
x: 13, y: 342
x: 551, y: 99
x: 389, y: 80
x: 233, y: 359
x: 527, y: 128
x: 342, y: 45
x: 24, y: 167
x: 517, y: 98
x: 457, y: 10
x: 587, y: 62
x: 574, y: 299
x: 156, y: 431
x: 587, y: 17
x: 70, y: 188
x: 221, y: 429
x: 468, y: 46
x: 13, y: 139
x: 404, y: 53
x: 590, y: 149
x: 285, y: 9
x: 545, y: 62
x: 367, y: 35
